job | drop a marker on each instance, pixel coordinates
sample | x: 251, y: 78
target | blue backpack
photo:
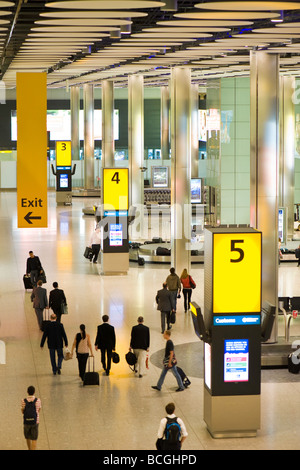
x: 172, y: 431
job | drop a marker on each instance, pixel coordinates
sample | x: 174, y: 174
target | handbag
x: 131, y: 360
x: 67, y: 354
x: 115, y: 357
x: 173, y: 318
x: 42, y: 276
x: 88, y: 252
x: 64, y: 308
x: 192, y: 283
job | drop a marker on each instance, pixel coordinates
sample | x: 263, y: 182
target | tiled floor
x: 124, y: 412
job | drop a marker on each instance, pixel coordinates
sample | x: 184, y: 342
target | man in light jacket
x: 174, y: 286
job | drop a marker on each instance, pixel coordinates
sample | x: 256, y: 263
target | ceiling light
x: 279, y: 19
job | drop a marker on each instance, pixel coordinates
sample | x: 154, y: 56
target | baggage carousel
x: 147, y: 253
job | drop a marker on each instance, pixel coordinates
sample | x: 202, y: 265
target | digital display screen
x: 207, y: 368
x: 236, y: 360
x: 115, y: 234
x: 63, y: 180
x: 281, y: 224
x: 59, y: 124
x: 196, y: 190
x: 160, y: 177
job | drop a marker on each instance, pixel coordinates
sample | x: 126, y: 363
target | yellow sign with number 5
x: 115, y: 189
x: 237, y: 272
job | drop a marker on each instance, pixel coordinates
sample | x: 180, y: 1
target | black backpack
x: 172, y: 431
x: 30, y: 414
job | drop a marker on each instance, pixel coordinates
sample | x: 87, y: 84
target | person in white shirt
x: 95, y: 244
x: 179, y: 433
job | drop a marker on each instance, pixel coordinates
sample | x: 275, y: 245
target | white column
x: 264, y: 162
x: 75, y: 108
x: 287, y: 151
x: 180, y: 168
x: 88, y: 102
x: 108, y: 142
x: 136, y: 148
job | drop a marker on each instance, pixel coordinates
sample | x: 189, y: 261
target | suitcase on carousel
x: 91, y: 377
x: 27, y: 282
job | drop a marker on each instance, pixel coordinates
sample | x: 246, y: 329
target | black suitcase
x: 293, y: 364
x: 186, y: 382
x: 27, y: 282
x: 162, y: 251
x: 91, y: 377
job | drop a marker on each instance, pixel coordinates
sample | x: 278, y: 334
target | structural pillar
x: 88, y: 104
x: 136, y: 149
x: 75, y: 108
x: 108, y: 142
x: 264, y: 164
x: 194, y: 130
x: 287, y: 152
x: 165, y: 122
x: 180, y: 169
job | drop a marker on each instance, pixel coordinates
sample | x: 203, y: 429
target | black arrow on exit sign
x: 28, y: 217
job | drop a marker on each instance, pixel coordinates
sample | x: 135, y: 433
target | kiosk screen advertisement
x: 236, y: 360
x: 116, y: 235
x: 196, y: 191
x: 63, y: 181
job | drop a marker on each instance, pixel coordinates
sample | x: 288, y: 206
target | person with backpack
x: 30, y: 408
x: 171, y: 432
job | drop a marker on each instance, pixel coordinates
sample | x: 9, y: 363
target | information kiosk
x: 114, y: 224
x: 63, y: 172
x: 231, y: 331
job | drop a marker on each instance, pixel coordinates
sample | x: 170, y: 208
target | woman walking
x: 82, y: 345
x: 188, y: 284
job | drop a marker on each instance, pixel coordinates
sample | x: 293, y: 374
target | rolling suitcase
x: 46, y: 320
x: 186, y: 382
x: 27, y: 282
x: 91, y: 377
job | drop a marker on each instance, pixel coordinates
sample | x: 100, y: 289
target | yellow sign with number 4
x: 115, y: 189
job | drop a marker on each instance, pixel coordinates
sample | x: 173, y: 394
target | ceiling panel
x: 85, y: 41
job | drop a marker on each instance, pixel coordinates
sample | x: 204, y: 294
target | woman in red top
x: 188, y: 284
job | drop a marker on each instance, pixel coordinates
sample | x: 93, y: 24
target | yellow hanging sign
x: 32, y: 149
x: 115, y: 189
x: 237, y: 272
x: 63, y: 153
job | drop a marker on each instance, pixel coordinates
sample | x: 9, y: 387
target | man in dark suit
x: 163, y: 300
x: 106, y: 342
x: 56, y: 298
x: 34, y: 268
x: 55, y: 335
x: 140, y: 342
x: 39, y: 301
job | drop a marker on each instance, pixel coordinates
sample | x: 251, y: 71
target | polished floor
x: 123, y: 413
